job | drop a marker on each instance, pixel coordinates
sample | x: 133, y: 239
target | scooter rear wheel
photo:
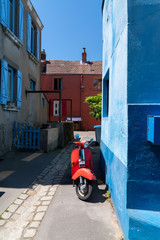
x: 88, y: 191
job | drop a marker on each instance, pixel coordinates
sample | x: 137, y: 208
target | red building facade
x: 76, y: 80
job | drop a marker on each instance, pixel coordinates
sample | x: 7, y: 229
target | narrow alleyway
x: 49, y: 208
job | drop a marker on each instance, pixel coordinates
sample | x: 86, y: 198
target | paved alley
x: 49, y: 209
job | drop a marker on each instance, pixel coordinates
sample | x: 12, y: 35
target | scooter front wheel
x: 84, y: 191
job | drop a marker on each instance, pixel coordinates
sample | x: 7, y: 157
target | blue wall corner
x: 115, y: 175
x: 131, y: 54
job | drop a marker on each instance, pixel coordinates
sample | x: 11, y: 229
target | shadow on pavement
x: 19, y: 169
x: 98, y: 194
x: 1, y: 194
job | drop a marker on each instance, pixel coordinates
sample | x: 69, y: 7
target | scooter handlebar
x: 91, y: 147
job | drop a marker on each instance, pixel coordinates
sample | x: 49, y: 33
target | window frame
x: 60, y: 82
x: 14, y: 101
x: 32, y: 85
x: 12, y: 79
x: 55, y: 108
x: 106, y: 94
x: 12, y: 22
x: 33, y: 38
x: 12, y: 18
x: 43, y: 102
x: 98, y: 80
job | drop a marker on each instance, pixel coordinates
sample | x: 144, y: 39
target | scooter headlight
x: 86, y: 144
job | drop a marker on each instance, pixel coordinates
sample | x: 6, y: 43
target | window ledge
x: 11, y: 108
x: 13, y: 37
x: 33, y: 58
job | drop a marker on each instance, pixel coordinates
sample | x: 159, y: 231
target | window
x: 56, y: 108
x: 97, y: 84
x: 33, y: 40
x: 32, y: 37
x: 32, y: 85
x: 106, y: 95
x: 10, y: 85
x: 43, y: 102
x: 12, y: 16
x: 57, y: 84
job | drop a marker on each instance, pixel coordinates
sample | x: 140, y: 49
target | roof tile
x: 74, y: 67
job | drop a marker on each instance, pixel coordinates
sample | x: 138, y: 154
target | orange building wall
x: 76, y: 87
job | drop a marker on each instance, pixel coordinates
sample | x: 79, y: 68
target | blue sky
x: 70, y: 25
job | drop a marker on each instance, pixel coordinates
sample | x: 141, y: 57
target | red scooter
x: 82, y: 168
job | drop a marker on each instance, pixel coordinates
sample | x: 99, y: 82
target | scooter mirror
x: 92, y: 139
x: 76, y: 136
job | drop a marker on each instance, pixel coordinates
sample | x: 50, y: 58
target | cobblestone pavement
x: 20, y: 221
x: 86, y: 135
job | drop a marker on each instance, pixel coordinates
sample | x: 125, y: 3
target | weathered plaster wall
x: 114, y: 24
x: 31, y: 111
x: 114, y: 126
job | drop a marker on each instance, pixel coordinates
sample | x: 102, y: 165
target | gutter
x: 71, y: 73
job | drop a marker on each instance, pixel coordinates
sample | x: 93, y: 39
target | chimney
x: 43, y: 55
x: 84, y: 56
x: 43, y: 61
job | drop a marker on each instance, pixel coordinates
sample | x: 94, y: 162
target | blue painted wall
x: 143, y: 51
x: 114, y: 124
x: 116, y: 178
x: 143, y: 161
x: 131, y: 62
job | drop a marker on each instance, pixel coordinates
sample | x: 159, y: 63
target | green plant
x: 95, y: 104
x: 109, y: 193
x: 121, y: 238
x: 108, y: 196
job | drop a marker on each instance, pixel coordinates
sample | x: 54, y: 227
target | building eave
x: 71, y: 73
x: 32, y: 9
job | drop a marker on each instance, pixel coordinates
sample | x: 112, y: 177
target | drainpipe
x: 81, y: 87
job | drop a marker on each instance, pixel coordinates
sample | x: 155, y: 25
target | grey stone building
x: 20, y: 45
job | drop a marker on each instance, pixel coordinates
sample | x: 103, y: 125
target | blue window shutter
x: 13, y: 18
x: 37, y: 44
x: 20, y: 21
x: 4, y: 82
x: 28, y: 32
x: 5, y: 13
x: 19, y: 87
x: 32, y: 39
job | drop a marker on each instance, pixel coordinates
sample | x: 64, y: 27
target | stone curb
x: 21, y: 220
